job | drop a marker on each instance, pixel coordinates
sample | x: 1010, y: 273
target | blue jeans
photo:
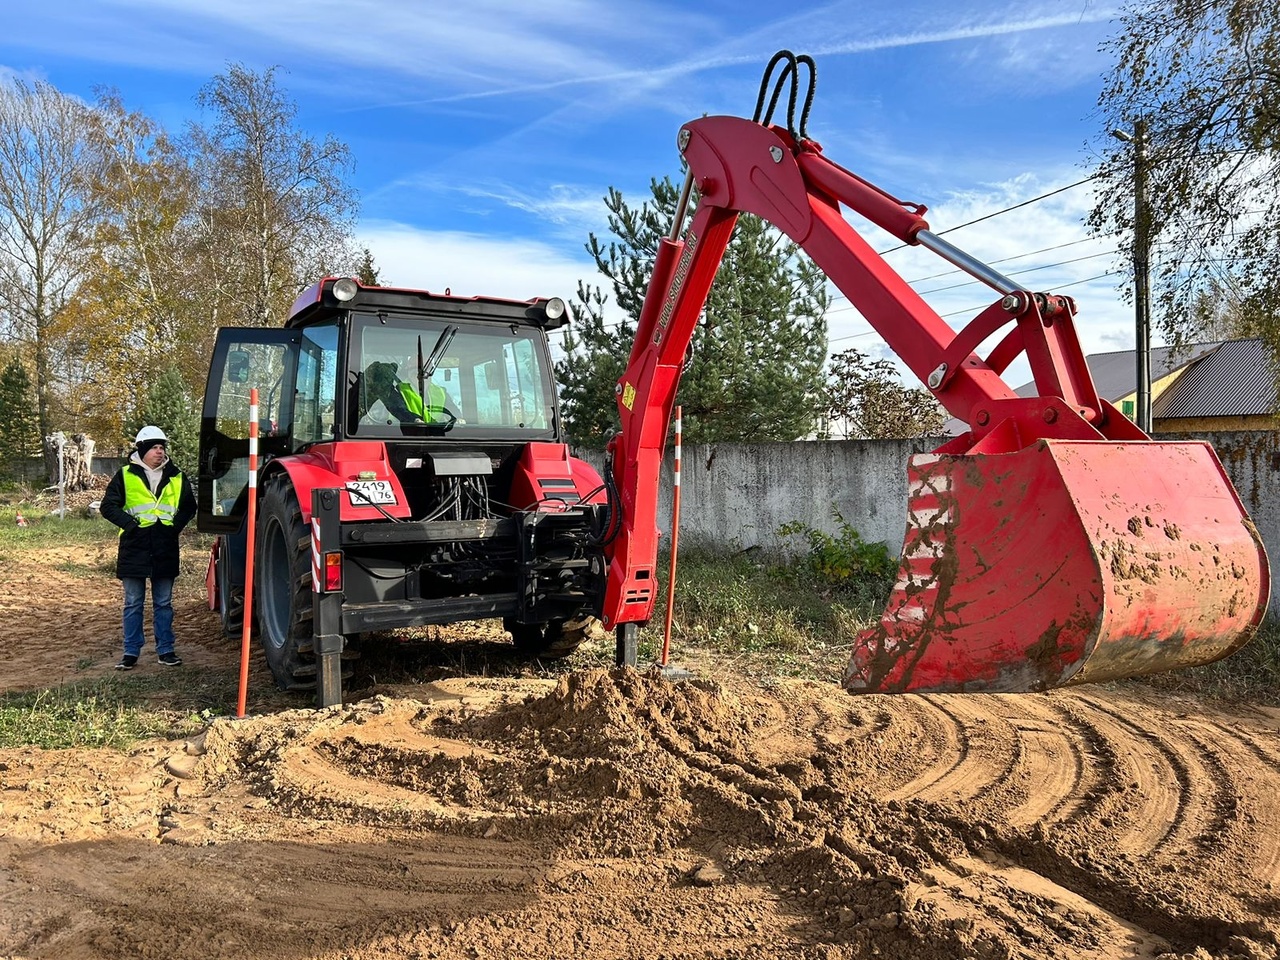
x: 135, y: 597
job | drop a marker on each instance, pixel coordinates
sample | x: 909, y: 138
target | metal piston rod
x: 969, y: 264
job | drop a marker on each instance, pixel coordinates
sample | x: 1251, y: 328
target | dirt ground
x: 610, y: 814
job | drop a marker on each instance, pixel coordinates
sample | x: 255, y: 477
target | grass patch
x: 103, y: 713
x: 105, y: 566
x: 98, y: 538
x: 46, y: 531
x: 768, y: 612
x: 1252, y: 675
x: 773, y: 616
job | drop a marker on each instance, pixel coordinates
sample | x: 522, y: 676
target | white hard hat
x: 150, y: 434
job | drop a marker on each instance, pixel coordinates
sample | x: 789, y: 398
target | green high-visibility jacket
x: 149, y: 523
x: 413, y: 400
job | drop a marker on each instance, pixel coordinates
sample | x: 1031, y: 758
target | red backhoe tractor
x: 1054, y: 543
x: 413, y: 472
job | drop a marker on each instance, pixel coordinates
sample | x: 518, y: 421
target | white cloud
x: 967, y: 28
x: 477, y: 46
x: 470, y: 264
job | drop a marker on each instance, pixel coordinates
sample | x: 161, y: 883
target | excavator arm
x: 1053, y: 543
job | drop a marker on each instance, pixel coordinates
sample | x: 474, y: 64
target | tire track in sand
x: 1170, y: 794
x: 1250, y: 828
x: 1019, y: 760
x: 978, y: 764
x: 1056, y: 769
x: 1268, y: 755
x: 949, y: 739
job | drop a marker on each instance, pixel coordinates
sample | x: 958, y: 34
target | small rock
x: 184, y: 837
x: 183, y: 767
x: 890, y: 921
x: 706, y: 875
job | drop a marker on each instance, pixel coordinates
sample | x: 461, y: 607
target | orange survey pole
x: 675, y: 543
x: 251, y: 520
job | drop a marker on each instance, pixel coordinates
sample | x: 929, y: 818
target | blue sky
x: 486, y: 133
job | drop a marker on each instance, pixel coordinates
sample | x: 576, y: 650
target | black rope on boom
x: 790, y: 71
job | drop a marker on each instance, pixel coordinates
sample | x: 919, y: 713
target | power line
x: 996, y: 213
x: 969, y: 223
x: 972, y: 311
x: 1044, y: 196
x: 1018, y: 273
x: 1014, y: 273
x: 852, y: 336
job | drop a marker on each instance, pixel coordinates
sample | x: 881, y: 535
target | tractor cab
x: 399, y: 367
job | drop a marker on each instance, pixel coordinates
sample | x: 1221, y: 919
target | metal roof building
x: 1223, y: 385
x: 1233, y: 380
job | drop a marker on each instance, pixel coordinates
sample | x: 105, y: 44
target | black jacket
x: 150, y: 551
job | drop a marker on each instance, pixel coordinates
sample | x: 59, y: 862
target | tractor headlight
x: 345, y: 289
x: 555, y: 308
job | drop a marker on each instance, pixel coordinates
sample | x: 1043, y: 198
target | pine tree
x: 19, y: 421
x: 757, y: 354
x: 169, y: 406
x: 367, y: 271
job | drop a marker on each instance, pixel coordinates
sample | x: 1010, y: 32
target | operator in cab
x: 404, y: 403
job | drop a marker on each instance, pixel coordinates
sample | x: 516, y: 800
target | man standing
x: 150, y: 501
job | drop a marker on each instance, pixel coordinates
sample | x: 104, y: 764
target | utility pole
x: 1141, y: 270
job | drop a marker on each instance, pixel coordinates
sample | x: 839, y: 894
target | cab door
x: 244, y: 358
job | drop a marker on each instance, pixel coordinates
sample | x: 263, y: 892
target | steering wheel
x: 436, y: 412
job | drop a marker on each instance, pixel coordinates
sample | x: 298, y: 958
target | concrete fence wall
x: 736, y: 496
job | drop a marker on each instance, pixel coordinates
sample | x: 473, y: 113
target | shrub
x: 844, y: 557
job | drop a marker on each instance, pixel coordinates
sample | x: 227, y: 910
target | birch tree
x: 49, y: 157
x: 135, y: 304
x: 274, y: 209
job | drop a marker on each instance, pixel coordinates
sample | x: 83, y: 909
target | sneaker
x: 127, y: 662
x: 169, y: 660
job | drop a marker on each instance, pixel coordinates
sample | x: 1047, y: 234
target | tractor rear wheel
x: 283, y: 595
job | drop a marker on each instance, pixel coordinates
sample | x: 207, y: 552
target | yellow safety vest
x: 414, y: 402
x: 145, y: 506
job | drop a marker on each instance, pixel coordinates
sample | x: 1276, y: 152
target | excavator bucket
x: 1065, y: 562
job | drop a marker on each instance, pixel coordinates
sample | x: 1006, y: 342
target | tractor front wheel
x: 230, y: 597
x: 551, y: 641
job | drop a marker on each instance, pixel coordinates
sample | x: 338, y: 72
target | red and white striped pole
x: 675, y: 543
x: 251, y: 521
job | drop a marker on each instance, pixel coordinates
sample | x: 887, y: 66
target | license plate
x: 365, y: 492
